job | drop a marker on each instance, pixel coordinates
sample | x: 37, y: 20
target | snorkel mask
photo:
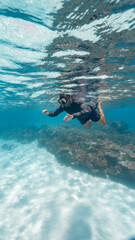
x: 62, y: 101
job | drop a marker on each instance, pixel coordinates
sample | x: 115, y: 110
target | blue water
x: 49, y: 47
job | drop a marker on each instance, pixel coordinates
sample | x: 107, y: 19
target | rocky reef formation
x: 105, y: 152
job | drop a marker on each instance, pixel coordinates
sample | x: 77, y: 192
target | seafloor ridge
x: 105, y: 151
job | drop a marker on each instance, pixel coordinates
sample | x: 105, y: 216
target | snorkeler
x: 77, y: 108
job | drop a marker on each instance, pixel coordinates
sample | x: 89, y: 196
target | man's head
x: 65, y: 99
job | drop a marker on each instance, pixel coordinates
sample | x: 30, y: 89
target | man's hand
x: 45, y: 111
x: 68, y: 118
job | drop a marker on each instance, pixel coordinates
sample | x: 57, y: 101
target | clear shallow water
x: 48, y: 47
x: 41, y: 199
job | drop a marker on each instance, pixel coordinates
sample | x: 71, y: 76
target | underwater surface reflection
x: 83, y: 47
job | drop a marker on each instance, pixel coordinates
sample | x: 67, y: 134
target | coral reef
x: 105, y: 152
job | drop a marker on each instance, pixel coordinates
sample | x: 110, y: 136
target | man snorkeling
x: 77, y: 108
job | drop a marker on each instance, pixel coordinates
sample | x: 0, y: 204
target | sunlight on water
x: 68, y: 47
x: 41, y: 199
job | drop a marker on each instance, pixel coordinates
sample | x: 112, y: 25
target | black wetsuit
x: 80, y: 110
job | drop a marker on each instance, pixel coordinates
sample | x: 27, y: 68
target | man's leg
x: 87, y: 124
x: 102, y: 120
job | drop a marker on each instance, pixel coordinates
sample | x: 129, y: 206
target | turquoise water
x: 78, y: 47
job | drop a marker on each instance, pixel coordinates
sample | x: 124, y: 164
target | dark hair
x: 64, y: 95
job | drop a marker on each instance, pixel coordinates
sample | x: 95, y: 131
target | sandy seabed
x: 42, y: 199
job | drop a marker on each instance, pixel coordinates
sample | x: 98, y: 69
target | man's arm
x: 54, y: 113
